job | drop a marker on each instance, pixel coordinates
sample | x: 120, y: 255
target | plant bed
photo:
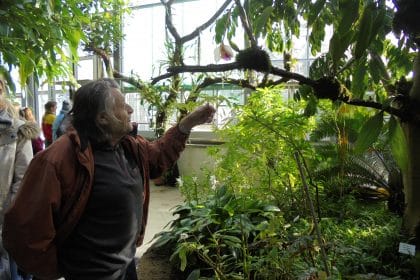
x: 155, y: 265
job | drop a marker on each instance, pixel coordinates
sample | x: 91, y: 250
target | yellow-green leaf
x: 399, y: 147
x: 315, y: 10
x: 369, y: 132
x: 262, y: 20
x: 365, y: 29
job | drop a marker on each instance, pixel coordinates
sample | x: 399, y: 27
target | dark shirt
x: 103, y: 243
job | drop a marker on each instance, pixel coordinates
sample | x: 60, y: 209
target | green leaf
x: 358, y: 85
x: 377, y: 69
x: 338, y: 46
x: 271, y: 208
x: 369, y: 132
x: 182, y: 254
x: 26, y: 68
x: 378, y: 22
x: 262, y: 20
x: 311, y: 107
x: 232, y: 239
x: 349, y: 11
x: 194, y: 275
x: 365, y: 29
x: 220, y: 29
x: 314, y: 12
x: 399, y: 147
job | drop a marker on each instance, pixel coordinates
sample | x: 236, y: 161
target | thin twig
x: 315, y: 220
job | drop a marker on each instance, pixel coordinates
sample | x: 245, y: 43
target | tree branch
x: 292, y: 76
x: 197, y: 31
x: 130, y: 80
x: 168, y: 20
x: 229, y: 67
x: 246, y: 23
x: 211, y: 81
x: 375, y: 105
x: 174, y: 70
x: 104, y: 55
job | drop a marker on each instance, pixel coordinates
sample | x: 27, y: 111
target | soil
x: 155, y: 265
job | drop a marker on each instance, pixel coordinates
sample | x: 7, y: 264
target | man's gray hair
x: 91, y: 100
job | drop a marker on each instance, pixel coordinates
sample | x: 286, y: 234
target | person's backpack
x: 61, y: 128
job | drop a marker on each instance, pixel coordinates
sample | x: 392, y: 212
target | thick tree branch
x: 292, y: 76
x: 205, y: 25
x: 174, y: 70
x: 376, y: 105
x: 246, y: 24
x: 130, y: 80
x: 211, y: 81
x: 271, y: 83
x: 168, y: 20
x: 229, y: 67
x: 104, y: 55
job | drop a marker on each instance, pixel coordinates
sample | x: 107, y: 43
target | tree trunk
x: 411, y: 179
x: 411, y: 176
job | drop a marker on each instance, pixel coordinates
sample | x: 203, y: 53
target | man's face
x: 121, y: 125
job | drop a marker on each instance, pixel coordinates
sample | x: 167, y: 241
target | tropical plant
x: 358, y: 236
x: 235, y: 236
x: 257, y: 158
x: 41, y: 38
x: 227, y: 237
x: 365, y: 65
x: 343, y: 169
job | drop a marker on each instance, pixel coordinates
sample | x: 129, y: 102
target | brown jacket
x: 56, y: 188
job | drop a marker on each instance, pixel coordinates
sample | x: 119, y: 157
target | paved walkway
x: 162, y: 201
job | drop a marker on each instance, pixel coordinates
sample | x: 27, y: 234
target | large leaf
x: 349, y: 11
x: 369, y: 132
x: 262, y: 20
x: 379, y: 21
x: 358, y: 85
x: 311, y: 107
x: 314, y: 11
x: 365, y: 29
x: 194, y: 275
x: 377, y: 68
x: 338, y: 45
x: 398, y: 143
x: 220, y: 29
x: 26, y: 68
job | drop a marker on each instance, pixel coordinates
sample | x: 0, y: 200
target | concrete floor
x: 162, y: 201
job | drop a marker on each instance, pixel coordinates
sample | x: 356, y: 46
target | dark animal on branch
x: 255, y: 59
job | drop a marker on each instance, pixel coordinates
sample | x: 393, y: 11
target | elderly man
x: 83, y: 204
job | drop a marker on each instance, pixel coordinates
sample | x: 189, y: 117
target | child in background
x: 48, y: 120
x: 37, y: 142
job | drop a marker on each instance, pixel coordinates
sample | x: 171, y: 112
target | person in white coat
x: 15, y: 155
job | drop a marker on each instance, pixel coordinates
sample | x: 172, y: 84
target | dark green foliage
x: 259, y: 227
x: 406, y: 19
x: 222, y: 235
x: 403, y: 87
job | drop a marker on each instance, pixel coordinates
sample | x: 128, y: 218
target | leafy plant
x: 225, y: 236
x: 42, y: 38
x: 360, y: 236
x: 257, y: 159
